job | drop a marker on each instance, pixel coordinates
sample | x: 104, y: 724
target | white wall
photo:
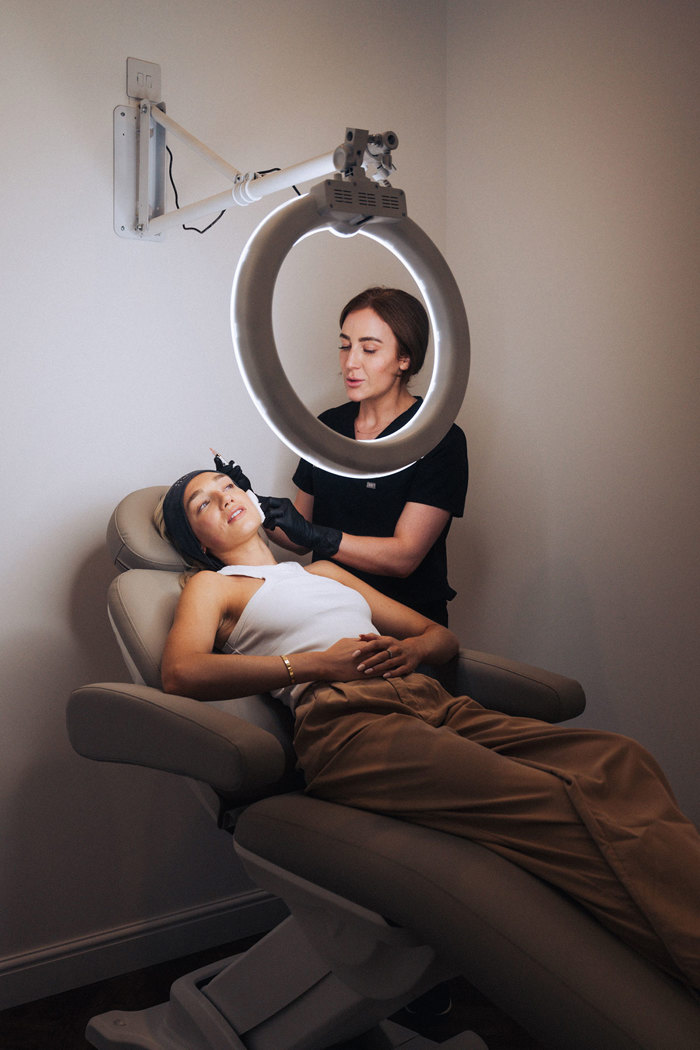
x: 573, y: 176
x: 117, y: 372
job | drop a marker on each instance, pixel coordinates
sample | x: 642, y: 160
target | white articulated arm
x: 139, y: 170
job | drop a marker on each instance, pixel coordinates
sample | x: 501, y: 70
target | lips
x: 235, y: 514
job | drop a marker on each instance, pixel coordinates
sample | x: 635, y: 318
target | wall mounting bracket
x: 140, y: 129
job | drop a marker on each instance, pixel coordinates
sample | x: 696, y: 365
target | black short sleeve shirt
x: 363, y: 507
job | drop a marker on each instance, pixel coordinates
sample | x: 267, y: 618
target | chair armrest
x: 518, y: 689
x: 142, y: 726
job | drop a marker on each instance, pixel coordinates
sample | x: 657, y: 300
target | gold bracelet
x: 290, y: 669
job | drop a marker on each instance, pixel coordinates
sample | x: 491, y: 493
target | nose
x: 353, y: 359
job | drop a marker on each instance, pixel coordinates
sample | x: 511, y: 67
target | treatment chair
x: 380, y: 910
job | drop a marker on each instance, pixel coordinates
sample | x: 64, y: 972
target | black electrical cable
x: 268, y: 171
x: 177, y: 202
x: 194, y: 229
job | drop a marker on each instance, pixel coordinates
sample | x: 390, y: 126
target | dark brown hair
x: 405, y: 315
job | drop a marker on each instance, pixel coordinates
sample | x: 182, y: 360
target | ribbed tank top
x: 295, y: 611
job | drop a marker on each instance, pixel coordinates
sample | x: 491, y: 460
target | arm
x: 416, y: 531
x: 210, y: 602
x: 190, y: 668
x: 435, y: 492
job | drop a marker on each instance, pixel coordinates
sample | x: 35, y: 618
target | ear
x: 404, y: 363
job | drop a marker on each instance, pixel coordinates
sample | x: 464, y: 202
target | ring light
x: 264, y: 376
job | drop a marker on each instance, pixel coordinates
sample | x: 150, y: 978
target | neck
x: 377, y: 415
x: 253, y: 551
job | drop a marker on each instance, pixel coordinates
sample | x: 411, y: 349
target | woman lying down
x: 590, y: 812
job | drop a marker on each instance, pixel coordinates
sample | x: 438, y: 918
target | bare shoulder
x: 227, y: 596
x: 201, y: 592
x: 205, y: 583
x: 211, y: 589
x: 211, y: 605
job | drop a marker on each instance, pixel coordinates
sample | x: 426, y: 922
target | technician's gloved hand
x: 232, y: 470
x: 281, y: 512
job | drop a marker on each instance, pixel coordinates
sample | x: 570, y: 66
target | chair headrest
x: 132, y: 538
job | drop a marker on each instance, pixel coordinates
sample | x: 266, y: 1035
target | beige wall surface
x: 572, y: 132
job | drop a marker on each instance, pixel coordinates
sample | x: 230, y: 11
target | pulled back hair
x: 405, y: 315
x: 170, y: 518
x: 159, y: 522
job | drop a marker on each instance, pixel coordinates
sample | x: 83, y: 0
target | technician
x: 390, y: 531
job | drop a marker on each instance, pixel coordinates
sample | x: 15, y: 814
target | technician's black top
x: 372, y: 507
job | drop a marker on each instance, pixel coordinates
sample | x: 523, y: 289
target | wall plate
x: 126, y: 173
x: 143, y: 80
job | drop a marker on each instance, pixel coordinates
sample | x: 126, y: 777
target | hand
x: 386, y: 656
x: 281, y: 513
x: 232, y: 470
x: 340, y: 661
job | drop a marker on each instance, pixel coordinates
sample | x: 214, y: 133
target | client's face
x: 220, y: 514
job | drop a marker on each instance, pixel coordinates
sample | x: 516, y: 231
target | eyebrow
x: 198, y: 492
x: 364, y: 338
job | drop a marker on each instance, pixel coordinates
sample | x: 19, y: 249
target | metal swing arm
x: 139, y: 170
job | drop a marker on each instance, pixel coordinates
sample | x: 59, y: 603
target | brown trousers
x: 590, y: 812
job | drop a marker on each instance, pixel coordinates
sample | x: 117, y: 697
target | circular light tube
x: 265, y: 378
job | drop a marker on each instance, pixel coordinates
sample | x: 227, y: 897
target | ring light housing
x: 341, y: 207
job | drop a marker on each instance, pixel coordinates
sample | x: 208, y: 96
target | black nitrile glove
x: 233, y: 471
x: 281, y: 512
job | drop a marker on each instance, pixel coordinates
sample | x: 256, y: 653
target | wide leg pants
x: 590, y: 812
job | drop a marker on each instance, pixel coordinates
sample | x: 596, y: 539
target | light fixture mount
x: 139, y: 130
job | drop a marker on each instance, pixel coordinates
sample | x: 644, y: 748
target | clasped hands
x: 370, y: 656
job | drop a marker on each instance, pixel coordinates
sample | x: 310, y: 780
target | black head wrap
x: 175, y: 517
x: 178, y: 527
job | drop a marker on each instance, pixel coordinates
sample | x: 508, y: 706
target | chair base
x: 297, y: 1006
x: 530, y: 950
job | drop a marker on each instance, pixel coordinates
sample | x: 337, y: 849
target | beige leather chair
x: 380, y: 910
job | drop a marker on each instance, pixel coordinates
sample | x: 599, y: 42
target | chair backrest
x: 142, y: 600
x: 141, y: 604
x: 132, y: 537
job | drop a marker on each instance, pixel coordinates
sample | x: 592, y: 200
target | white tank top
x: 295, y: 611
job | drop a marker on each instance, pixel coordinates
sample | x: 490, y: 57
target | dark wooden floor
x: 58, y: 1023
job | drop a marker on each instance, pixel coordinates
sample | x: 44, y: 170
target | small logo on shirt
x: 371, y: 484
